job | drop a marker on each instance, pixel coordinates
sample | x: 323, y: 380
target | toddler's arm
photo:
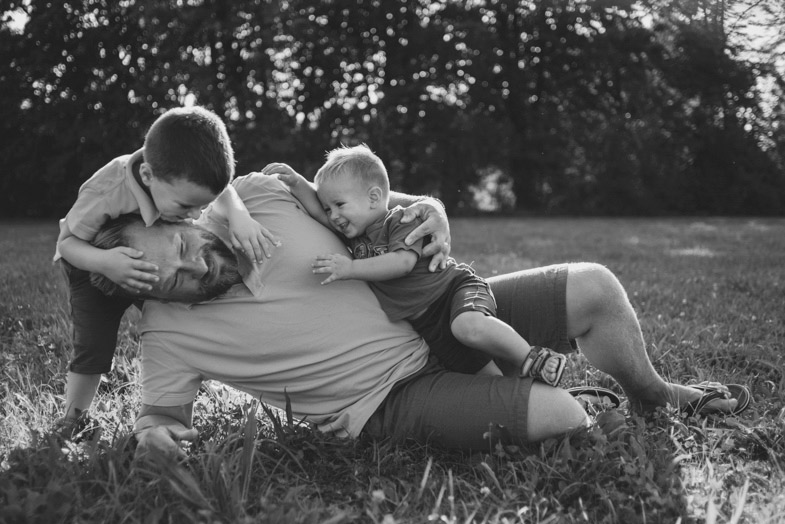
x: 375, y: 269
x: 248, y: 235
x: 121, y: 264
x: 301, y: 189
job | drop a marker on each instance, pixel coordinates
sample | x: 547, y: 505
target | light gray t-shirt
x: 330, y: 348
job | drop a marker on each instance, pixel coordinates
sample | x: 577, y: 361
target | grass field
x: 709, y: 293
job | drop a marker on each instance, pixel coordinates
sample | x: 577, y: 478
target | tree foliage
x: 581, y: 106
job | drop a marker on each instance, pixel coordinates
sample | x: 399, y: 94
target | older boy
x: 186, y: 162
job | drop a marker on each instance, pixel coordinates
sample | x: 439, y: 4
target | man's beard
x: 219, y: 258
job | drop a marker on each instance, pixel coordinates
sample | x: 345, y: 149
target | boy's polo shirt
x: 112, y: 191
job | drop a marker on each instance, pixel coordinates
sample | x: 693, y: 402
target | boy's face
x: 179, y: 199
x: 348, y: 204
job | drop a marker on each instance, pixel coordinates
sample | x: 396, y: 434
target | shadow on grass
x: 253, y: 465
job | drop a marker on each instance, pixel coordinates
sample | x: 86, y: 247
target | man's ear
x: 375, y: 196
x: 146, y: 173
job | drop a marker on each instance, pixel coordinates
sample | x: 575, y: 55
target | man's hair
x: 359, y: 162
x: 113, y: 234
x: 190, y: 143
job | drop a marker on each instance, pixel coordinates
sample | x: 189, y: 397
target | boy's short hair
x: 359, y: 162
x: 190, y: 143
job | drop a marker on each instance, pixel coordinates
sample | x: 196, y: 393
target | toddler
x: 453, y: 309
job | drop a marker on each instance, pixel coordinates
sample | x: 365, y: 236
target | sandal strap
x: 696, y: 406
x: 536, y: 360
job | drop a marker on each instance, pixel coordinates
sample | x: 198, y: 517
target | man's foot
x: 595, y: 397
x: 714, y: 397
x: 544, y: 364
x: 694, y: 399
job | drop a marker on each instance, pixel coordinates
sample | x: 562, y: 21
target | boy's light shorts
x: 455, y: 409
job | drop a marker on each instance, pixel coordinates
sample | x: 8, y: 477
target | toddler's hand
x: 285, y: 174
x: 339, y: 267
x: 252, y: 238
x: 123, y: 267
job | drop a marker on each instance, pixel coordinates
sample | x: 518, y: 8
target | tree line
x: 565, y: 106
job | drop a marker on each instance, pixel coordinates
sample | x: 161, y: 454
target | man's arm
x: 435, y: 225
x: 159, y: 430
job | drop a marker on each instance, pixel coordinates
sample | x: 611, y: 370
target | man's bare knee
x: 593, y: 291
x: 553, y: 412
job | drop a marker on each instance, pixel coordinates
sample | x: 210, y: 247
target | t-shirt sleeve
x: 398, y: 231
x: 166, y: 380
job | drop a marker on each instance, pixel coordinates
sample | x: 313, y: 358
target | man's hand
x: 162, y: 440
x: 434, y: 224
x: 251, y: 238
x: 122, y: 266
x: 339, y: 267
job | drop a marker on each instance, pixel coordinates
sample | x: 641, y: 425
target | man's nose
x: 194, y: 212
x: 196, y: 267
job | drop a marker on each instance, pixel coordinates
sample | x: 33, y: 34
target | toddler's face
x: 179, y: 199
x: 347, y: 204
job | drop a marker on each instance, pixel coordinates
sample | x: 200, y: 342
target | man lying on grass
x: 344, y: 366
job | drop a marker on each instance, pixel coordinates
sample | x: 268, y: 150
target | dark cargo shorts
x: 96, y: 319
x: 455, y: 409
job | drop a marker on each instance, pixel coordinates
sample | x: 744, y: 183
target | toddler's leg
x: 489, y: 334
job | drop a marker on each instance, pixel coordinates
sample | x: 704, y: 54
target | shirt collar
x: 249, y: 270
x: 147, y: 207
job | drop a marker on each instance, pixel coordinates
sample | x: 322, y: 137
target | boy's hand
x: 339, y: 267
x: 251, y: 238
x: 123, y: 267
x: 285, y: 174
x: 434, y: 224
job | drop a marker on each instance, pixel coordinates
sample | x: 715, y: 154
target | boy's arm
x: 247, y: 235
x: 435, y: 225
x: 375, y: 269
x: 121, y: 265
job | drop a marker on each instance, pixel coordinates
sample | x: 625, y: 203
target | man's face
x: 193, y: 264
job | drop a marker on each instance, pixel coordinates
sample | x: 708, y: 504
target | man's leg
x: 602, y: 320
x: 456, y: 410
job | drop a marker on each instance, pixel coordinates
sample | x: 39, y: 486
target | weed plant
x: 709, y: 293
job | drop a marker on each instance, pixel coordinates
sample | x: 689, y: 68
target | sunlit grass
x: 709, y: 294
